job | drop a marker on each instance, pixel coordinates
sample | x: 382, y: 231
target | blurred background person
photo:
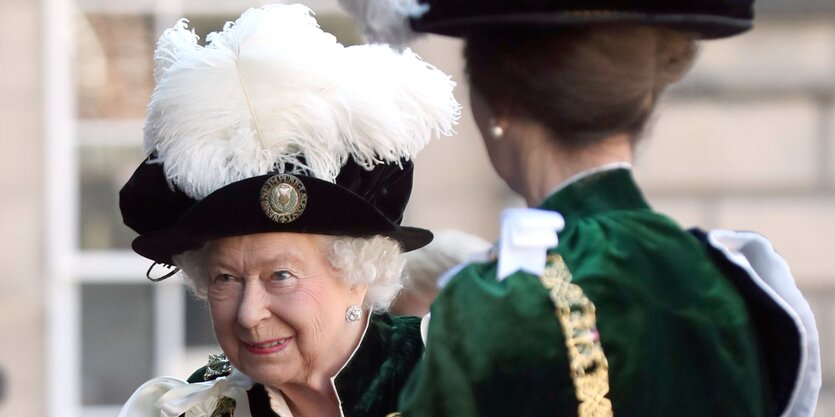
x: 426, y: 269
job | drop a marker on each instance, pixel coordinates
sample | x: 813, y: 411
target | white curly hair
x: 375, y: 261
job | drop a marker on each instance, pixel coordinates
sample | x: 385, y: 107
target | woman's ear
x: 502, y: 113
x: 358, y: 290
x: 495, y: 116
x: 486, y: 116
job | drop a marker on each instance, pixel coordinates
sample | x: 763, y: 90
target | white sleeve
x: 755, y: 254
x: 172, y: 397
x: 143, y: 402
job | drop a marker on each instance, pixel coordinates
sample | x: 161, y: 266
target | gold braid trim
x: 576, y: 313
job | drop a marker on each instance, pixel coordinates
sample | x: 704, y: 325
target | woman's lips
x: 268, y: 346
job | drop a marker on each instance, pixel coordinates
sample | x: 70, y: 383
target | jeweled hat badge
x: 283, y: 198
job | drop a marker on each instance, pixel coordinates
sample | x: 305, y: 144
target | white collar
x: 587, y: 173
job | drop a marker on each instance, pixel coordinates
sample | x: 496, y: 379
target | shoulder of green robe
x: 492, y: 347
x: 402, y: 343
x: 370, y: 382
x: 402, y: 329
x: 217, y: 366
x: 406, y: 334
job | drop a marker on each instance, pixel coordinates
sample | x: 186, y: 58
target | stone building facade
x: 747, y: 141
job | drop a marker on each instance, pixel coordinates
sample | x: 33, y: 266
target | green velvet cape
x: 369, y: 384
x: 677, y: 335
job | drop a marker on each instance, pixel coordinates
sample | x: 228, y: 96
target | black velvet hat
x: 384, y: 20
x: 275, y: 127
x: 361, y: 203
x: 707, y: 18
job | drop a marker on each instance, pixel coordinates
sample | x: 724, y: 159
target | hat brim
x: 237, y: 210
x: 703, y: 26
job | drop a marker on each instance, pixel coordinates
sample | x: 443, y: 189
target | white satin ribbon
x: 526, y: 236
x: 172, y: 397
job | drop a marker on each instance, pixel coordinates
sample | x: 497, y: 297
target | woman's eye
x: 281, y: 276
x: 223, y: 278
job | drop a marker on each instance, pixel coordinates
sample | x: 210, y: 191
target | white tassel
x: 272, y: 88
x: 386, y: 21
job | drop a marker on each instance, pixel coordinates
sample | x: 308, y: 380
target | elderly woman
x: 278, y: 172
x: 625, y: 314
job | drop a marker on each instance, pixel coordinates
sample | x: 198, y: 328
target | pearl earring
x: 496, y: 131
x: 353, y: 313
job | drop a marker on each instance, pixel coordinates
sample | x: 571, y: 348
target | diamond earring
x: 353, y: 313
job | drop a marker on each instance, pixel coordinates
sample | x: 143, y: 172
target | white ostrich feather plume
x: 386, y: 21
x: 272, y: 91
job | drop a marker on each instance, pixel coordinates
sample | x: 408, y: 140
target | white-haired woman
x: 289, y: 309
x: 278, y: 170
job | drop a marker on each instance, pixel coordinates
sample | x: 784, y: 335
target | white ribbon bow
x: 172, y: 397
x: 526, y: 236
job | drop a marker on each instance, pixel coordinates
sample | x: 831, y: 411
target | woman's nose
x: 254, y: 307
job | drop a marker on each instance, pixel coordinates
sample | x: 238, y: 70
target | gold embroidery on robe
x: 576, y: 314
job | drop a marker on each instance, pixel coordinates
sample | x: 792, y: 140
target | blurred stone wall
x: 21, y: 213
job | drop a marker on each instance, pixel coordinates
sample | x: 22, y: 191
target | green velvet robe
x: 369, y: 384
x: 676, y: 333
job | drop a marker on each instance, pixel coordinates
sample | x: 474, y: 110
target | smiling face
x: 278, y: 307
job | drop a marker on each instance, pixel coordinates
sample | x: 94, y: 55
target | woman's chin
x: 270, y: 375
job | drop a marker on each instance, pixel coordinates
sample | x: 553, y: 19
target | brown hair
x: 584, y: 83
